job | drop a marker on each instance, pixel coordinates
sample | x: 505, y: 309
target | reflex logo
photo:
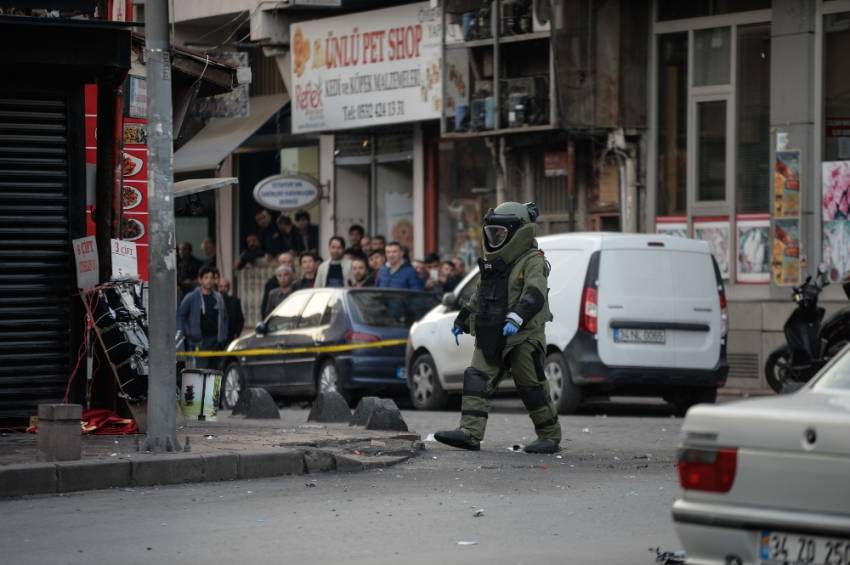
x: 308, y: 97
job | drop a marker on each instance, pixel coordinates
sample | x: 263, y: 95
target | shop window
x: 711, y: 150
x: 677, y: 9
x: 711, y: 56
x: 753, y: 119
x: 836, y: 146
x: 672, y: 123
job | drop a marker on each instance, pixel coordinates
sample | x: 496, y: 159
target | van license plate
x: 782, y: 547
x: 628, y: 335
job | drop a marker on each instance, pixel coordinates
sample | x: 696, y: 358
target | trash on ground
x: 467, y: 543
x: 677, y: 557
x: 516, y: 447
x: 586, y: 430
x: 478, y: 513
x: 430, y: 438
x: 311, y: 484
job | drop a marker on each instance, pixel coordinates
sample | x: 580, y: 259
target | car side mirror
x: 261, y: 329
x: 450, y: 301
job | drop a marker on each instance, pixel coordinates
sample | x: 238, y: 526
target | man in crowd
x: 421, y: 271
x: 209, y: 248
x: 309, y: 232
x: 366, y: 245
x: 265, y: 230
x: 253, y: 251
x: 360, y: 274
x: 460, y: 268
x: 187, y: 268
x: 309, y: 265
x: 202, y: 317
x: 397, y: 273
x: 233, y: 306
x: 335, y: 272
x: 271, y: 284
x: 355, y: 234
x: 377, y: 259
x: 379, y: 243
x: 285, y: 276
x: 286, y: 238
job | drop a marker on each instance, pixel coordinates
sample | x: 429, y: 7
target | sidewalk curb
x: 147, y: 469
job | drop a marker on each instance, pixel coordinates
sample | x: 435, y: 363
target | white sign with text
x: 88, y: 266
x: 125, y: 260
x: 286, y: 192
x: 367, y: 69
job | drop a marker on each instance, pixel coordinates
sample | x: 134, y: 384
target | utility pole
x: 162, y: 380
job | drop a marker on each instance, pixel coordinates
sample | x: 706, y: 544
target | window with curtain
x: 672, y: 123
x: 752, y: 190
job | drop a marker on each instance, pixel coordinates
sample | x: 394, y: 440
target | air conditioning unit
x: 542, y: 13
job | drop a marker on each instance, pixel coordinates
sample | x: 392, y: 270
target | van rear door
x: 696, y: 304
x: 636, y: 312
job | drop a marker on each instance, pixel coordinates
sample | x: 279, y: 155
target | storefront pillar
x: 327, y: 213
x: 419, y: 202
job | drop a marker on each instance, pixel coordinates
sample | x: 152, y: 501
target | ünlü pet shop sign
x: 286, y: 192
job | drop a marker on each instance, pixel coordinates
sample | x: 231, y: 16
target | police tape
x: 295, y: 350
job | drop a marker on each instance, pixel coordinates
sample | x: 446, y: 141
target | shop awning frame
x: 189, y: 187
x: 221, y: 136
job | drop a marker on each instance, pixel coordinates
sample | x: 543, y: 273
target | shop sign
x: 286, y: 192
x: 367, y: 69
x: 88, y: 266
x: 555, y: 163
x: 125, y: 260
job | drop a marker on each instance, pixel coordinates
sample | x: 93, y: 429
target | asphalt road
x: 605, y: 499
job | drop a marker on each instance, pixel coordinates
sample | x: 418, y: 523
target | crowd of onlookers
x: 293, y: 249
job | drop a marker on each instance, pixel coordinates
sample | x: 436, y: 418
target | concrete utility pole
x: 162, y: 381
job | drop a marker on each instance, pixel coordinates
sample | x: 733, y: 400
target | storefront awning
x: 194, y: 186
x: 221, y: 136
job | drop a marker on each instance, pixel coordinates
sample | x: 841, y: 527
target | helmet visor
x: 496, y: 235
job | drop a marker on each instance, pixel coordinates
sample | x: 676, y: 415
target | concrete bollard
x: 59, y: 433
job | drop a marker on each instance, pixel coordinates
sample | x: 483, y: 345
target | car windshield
x: 391, y: 309
x: 837, y: 376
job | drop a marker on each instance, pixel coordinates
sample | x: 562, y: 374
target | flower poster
x: 786, y: 184
x: 716, y: 232
x: 836, y: 190
x: 836, y: 248
x: 753, y: 244
x: 786, y: 252
x: 676, y: 226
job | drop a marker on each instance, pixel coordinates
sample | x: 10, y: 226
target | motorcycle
x: 811, y: 343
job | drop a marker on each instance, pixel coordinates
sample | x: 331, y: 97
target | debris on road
x: 430, y: 438
x: 677, y: 557
x: 478, y: 513
x: 586, y: 430
x: 467, y: 543
x: 516, y: 447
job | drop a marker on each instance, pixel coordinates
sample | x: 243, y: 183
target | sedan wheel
x: 234, y: 385
x: 424, y: 382
x: 565, y: 395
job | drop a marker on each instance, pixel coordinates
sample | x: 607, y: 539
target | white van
x: 634, y: 315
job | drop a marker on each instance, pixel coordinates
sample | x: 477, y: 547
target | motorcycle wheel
x: 777, y: 371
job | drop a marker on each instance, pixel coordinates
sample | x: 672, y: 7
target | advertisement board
x: 367, y: 69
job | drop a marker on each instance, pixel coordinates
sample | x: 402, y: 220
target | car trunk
x: 778, y: 464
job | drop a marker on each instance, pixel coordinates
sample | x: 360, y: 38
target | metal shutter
x: 36, y: 276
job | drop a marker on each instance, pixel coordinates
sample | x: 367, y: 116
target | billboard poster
x: 367, y: 69
x: 676, y: 226
x: 753, y: 246
x: 716, y: 232
x: 786, y: 252
x: 786, y: 184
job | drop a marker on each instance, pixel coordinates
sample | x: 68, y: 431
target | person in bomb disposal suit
x: 507, y: 314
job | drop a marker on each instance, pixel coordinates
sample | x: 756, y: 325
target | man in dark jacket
x: 187, y: 268
x: 235, y: 317
x: 202, y: 317
x: 309, y: 232
x: 286, y: 238
x: 396, y: 273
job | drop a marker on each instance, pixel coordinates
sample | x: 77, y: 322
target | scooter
x: 811, y: 343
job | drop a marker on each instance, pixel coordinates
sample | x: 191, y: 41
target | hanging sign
x: 88, y: 267
x: 125, y: 260
x: 286, y: 193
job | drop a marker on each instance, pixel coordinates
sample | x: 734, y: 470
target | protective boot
x: 458, y: 438
x: 543, y: 445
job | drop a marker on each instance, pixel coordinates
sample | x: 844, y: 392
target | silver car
x: 768, y: 480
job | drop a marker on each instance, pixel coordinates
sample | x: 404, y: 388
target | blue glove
x: 456, y: 331
x: 510, y: 328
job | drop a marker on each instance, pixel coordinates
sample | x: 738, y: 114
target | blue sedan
x: 327, y: 318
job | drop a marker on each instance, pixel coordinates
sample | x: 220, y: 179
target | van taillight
x: 359, y: 337
x: 708, y: 470
x: 588, y: 320
x: 724, y: 312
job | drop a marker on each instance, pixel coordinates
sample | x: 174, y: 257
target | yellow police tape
x: 294, y: 350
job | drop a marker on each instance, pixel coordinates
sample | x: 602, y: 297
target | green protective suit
x: 523, y: 353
